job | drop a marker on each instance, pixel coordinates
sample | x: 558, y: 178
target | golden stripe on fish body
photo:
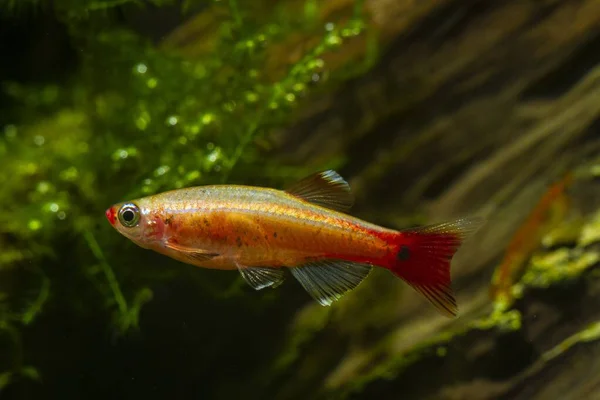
x: 261, y: 232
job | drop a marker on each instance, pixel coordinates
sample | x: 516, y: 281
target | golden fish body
x: 251, y: 226
x: 261, y: 231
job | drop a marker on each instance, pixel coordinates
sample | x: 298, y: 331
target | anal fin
x: 328, y: 280
x: 261, y: 277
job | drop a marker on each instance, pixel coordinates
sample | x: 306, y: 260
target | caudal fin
x: 424, y: 255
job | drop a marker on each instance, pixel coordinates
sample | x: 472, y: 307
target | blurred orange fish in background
x: 261, y: 231
x: 548, y: 212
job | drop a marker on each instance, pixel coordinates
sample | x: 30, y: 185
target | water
x: 431, y: 112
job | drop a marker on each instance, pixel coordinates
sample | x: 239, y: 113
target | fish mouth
x: 111, y: 215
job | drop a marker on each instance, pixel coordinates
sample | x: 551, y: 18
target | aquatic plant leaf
x: 262, y: 277
x: 327, y: 281
x: 5, y: 379
x: 31, y: 373
x: 327, y: 189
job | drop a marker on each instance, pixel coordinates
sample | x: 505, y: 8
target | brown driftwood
x: 475, y: 107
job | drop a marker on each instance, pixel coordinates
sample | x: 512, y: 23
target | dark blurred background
x: 431, y: 110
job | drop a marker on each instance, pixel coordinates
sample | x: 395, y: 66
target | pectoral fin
x: 327, y: 281
x: 192, y: 253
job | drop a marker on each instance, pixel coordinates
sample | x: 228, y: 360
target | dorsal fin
x: 327, y: 189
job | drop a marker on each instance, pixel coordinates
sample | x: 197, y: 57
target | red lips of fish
x: 110, y: 214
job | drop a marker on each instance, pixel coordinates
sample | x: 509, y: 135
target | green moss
x: 590, y: 232
x: 435, y: 346
x: 552, y: 267
x: 501, y: 320
x: 564, y: 234
x: 308, y: 322
x: 546, y: 269
x: 137, y: 119
x: 590, y: 334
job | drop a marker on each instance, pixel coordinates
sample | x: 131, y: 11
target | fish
x: 550, y: 210
x: 305, y: 229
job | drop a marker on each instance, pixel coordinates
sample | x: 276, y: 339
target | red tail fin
x: 424, y: 255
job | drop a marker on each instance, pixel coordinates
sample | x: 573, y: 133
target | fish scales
x: 305, y: 229
x: 279, y: 228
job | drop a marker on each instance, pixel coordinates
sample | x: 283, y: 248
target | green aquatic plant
x: 135, y: 119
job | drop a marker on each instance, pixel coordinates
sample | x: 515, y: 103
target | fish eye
x: 129, y: 215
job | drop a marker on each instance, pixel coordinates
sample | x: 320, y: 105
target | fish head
x: 138, y: 221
